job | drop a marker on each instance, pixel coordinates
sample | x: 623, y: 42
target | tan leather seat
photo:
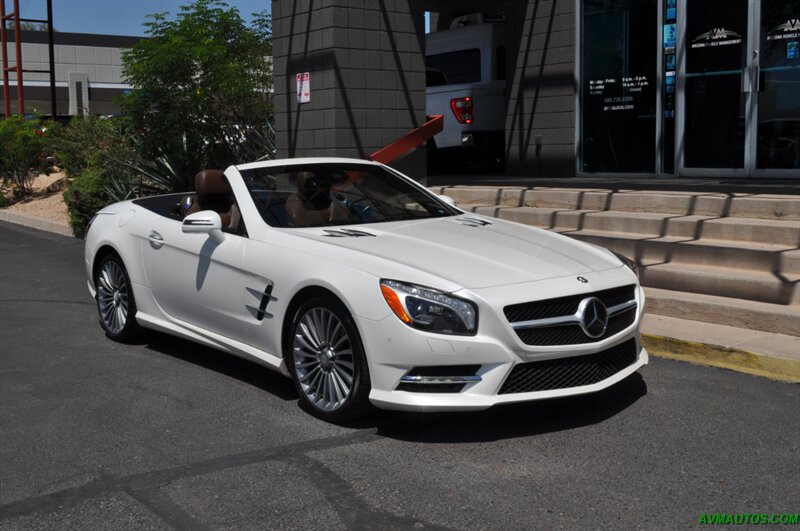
x: 213, y: 192
x: 310, y: 205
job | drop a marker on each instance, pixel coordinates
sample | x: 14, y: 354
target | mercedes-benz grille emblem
x: 594, y: 317
x: 582, y: 280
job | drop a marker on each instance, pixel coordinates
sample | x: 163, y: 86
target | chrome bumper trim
x: 439, y: 379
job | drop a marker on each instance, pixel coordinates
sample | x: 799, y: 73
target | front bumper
x: 397, y: 355
x: 396, y: 352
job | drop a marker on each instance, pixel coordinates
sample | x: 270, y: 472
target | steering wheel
x: 351, y: 206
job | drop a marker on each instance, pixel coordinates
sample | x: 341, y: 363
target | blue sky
x: 115, y: 17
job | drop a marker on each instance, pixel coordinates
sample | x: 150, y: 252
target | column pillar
x: 365, y: 60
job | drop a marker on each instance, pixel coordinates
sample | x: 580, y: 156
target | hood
x: 469, y: 250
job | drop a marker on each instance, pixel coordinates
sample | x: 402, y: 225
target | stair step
x: 761, y: 206
x: 652, y: 224
x: 722, y: 281
x: 751, y: 315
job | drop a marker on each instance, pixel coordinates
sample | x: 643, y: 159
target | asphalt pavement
x: 168, y: 434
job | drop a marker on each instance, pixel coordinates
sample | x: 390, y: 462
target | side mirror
x: 204, y: 222
x: 447, y: 199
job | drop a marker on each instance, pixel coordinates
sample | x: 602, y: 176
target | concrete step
x: 760, y: 206
x: 738, y: 313
x: 723, y: 282
x: 652, y: 224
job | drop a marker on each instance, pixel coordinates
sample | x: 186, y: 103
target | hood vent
x: 347, y: 233
x: 473, y: 222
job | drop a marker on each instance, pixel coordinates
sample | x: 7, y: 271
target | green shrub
x: 22, y: 153
x: 96, y: 152
x: 88, y: 141
x: 84, y: 197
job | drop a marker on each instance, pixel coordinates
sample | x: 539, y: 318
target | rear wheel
x: 327, y: 361
x: 115, y: 302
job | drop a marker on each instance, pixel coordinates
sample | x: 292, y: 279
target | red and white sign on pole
x: 303, y: 87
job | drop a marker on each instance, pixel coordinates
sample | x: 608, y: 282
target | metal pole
x: 18, y: 47
x: 3, y: 41
x: 51, y: 47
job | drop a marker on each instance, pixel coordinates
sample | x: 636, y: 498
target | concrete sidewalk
x: 775, y: 356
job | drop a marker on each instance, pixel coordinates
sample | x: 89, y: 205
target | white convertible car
x: 367, y: 289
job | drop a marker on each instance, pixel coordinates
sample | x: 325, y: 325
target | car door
x: 196, y: 280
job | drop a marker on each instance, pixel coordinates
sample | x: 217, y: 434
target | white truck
x: 465, y: 69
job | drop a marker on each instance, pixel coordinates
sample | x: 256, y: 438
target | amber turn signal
x: 394, y: 303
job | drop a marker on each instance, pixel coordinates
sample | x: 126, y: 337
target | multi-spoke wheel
x: 327, y: 361
x: 115, y: 302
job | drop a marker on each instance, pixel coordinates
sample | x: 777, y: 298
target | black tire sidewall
x: 357, y: 404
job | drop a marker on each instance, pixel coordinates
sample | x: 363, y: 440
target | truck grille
x: 576, y: 371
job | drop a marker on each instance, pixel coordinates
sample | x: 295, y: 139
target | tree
x: 201, y: 88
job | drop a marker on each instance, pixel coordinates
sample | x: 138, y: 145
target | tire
x: 326, y: 359
x: 115, y: 303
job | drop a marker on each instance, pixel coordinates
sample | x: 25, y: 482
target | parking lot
x: 168, y: 434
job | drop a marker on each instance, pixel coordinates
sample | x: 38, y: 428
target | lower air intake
x: 576, y: 371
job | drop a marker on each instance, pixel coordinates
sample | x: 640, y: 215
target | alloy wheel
x: 323, y: 359
x: 112, y: 296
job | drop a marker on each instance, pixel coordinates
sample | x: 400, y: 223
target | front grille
x: 564, y: 373
x: 570, y: 334
x: 573, y: 334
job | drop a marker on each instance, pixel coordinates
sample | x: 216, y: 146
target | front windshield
x: 324, y: 194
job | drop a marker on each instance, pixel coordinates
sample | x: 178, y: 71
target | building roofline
x: 76, y: 39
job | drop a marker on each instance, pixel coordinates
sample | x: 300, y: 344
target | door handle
x: 758, y: 85
x: 155, y: 239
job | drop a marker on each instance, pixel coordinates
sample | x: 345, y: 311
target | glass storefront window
x: 618, y: 85
x: 779, y: 87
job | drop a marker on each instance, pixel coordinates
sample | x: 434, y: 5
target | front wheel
x: 115, y: 302
x: 327, y: 361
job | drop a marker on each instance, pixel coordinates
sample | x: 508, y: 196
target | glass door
x: 777, y: 113
x: 739, y: 87
x: 715, y: 94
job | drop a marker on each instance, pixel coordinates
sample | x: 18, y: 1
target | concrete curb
x: 724, y: 357
x: 36, y: 223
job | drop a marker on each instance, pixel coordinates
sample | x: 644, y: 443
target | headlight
x: 429, y: 309
x: 628, y: 262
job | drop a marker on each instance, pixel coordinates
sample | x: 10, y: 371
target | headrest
x: 209, y: 183
x: 310, y: 184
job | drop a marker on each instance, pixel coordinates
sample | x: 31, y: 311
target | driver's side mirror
x: 447, y: 199
x: 204, y: 222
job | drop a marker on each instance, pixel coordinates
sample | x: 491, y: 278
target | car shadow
x: 244, y: 370
x: 497, y: 423
x: 515, y: 420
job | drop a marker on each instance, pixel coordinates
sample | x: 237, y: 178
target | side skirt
x: 210, y: 339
